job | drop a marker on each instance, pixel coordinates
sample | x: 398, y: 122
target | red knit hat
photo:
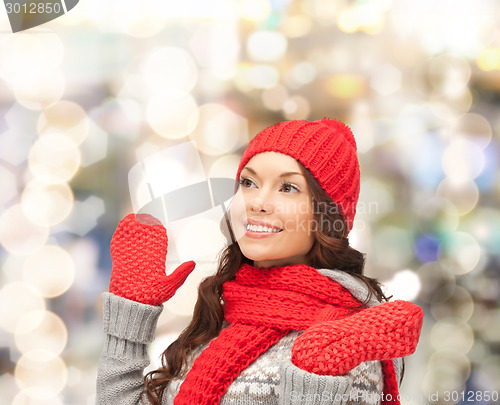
x: 326, y: 147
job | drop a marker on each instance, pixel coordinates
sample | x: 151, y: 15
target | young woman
x: 289, y: 317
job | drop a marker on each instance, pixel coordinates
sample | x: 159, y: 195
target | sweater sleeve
x: 361, y: 386
x: 129, y: 327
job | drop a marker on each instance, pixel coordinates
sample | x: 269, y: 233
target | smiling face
x: 271, y: 213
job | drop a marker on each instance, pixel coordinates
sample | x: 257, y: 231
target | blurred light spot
x: 14, y: 145
x: 274, y: 98
x: 226, y: 166
x: 39, y: 369
x: 487, y: 287
x: 50, y: 270
x: 362, y: 16
x: 85, y: 253
x: 411, y: 123
x: 463, y: 249
x: 216, y: 46
x: 296, y: 108
x: 472, y: 127
x: 425, y: 172
x: 66, y: 117
x: 17, y: 56
x: 146, y: 149
x: 427, y: 248
x: 449, y: 75
x: 437, y: 280
x: 437, y: 216
x: 120, y: 117
x: 266, y: 46
x: 46, y: 204
x: 362, y: 125
x: 346, y: 85
x: 375, y: 199
x: 169, y: 68
x: 405, y: 285
x: 139, y: 20
x: 21, y: 121
x: 54, y: 158
x: 173, y: 115
x: 442, y: 75
x: 37, y: 395
x: 194, y: 9
x: 40, y: 91
x: 459, y: 304
x: 446, y: 371
x: 487, y: 181
x: 254, y: 10
x: 463, y: 195
x: 21, y: 52
x: 462, y: 160
x: 241, y: 79
x: 9, y: 186
x: 447, y: 108
x: 219, y: 130
x: 490, y: 330
x: 18, y: 234
x: 84, y: 215
x: 53, y: 47
x: 484, y: 225
x: 17, y: 300
x: 479, y: 351
x: 386, y: 79
x: 95, y: 146
x: 133, y: 87
x: 10, y: 268
x: 394, y: 246
x: 296, y: 26
x: 488, y: 59
x: 262, y: 76
x: 450, y: 335
x: 300, y: 74
x: 50, y: 334
x: 75, y: 376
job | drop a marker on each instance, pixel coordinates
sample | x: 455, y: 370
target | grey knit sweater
x: 271, y: 379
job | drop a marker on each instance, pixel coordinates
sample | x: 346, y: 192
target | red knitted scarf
x: 262, y: 305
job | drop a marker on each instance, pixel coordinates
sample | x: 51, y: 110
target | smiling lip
x: 265, y: 229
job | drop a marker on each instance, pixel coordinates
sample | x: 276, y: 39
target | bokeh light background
x: 85, y: 97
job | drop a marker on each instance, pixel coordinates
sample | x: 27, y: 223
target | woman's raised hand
x: 138, y: 251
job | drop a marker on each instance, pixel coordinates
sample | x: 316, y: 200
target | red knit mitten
x: 138, y: 250
x: 382, y: 332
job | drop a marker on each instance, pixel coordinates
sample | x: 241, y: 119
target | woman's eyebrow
x: 281, y: 175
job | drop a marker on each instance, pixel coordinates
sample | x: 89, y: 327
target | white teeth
x: 260, y: 228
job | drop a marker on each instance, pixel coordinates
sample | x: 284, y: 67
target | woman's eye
x: 289, y: 188
x: 246, y: 183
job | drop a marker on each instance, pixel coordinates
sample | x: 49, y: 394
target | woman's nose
x: 261, y: 202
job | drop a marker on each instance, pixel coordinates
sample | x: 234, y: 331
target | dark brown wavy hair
x: 330, y: 250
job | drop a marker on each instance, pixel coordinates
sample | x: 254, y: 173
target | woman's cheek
x: 237, y: 214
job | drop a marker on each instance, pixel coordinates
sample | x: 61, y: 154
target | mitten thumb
x: 176, y: 279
